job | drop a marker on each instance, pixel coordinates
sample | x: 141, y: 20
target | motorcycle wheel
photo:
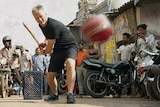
x: 156, y: 86
x: 62, y: 85
x: 93, y: 87
x: 150, y: 90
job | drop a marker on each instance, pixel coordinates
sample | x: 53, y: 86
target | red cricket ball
x: 97, y: 28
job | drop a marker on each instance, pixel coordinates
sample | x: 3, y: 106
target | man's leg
x: 18, y: 76
x: 71, y: 74
x: 45, y: 85
x: 71, y: 77
x: 84, y: 74
x: 81, y: 72
x: 80, y: 79
x: 52, y: 82
x: 119, y: 92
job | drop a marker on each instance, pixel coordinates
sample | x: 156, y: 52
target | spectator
x: 40, y: 65
x: 9, y: 52
x: 25, y: 60
x: 48, y: 57
x: 124, y: 54
x: 125, y: 50
x: 145, y: 41
x: 93, y: 53
x: 15, y: 68
x: 82, y: 55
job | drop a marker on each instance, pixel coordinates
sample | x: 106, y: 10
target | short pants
x: 58, y: 58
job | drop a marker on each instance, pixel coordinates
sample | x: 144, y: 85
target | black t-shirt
x: 56, y: 30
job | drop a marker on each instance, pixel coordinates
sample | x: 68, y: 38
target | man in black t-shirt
x: 64, y: 51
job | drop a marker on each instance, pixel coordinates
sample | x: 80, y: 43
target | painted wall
x: 150, y: 14
x: 125, y: 22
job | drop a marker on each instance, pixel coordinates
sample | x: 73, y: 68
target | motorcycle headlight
x: 3, y: 61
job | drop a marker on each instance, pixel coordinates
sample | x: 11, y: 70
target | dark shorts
x: 58, y: 58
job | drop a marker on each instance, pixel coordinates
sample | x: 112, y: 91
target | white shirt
x: 145, y: 45
x: 150, y: 42
x: 7, y: 53
x: 125, y: 51
x: 15, y: 64
x: 141, y: 45
x: 24, y: 61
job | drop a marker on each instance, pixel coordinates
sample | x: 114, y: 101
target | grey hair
x: 37, y: 8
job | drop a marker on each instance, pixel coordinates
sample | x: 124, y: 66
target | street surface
x: 86, y: 101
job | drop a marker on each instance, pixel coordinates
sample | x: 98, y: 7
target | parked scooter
x: 103, y: 78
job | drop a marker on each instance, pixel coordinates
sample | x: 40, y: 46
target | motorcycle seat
x: 120, y: 64
x: 107, y: 65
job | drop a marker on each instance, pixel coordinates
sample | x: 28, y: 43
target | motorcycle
x: 103, y: 79
x: 152, y: 74
x: 156, y: 86
x: 62, y: 82
x: 5, y: 71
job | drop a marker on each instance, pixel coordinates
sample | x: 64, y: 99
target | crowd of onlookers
x: 142, y: 41
x: 20, y: 60
x: 127, y: 50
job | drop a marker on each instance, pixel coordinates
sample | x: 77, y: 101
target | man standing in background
x: 40, y: 65
x: 82, y: 55
x: 25, y: 60
x: 92, y: 52
x: 124, y: 54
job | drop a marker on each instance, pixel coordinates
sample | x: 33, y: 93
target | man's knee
x: 70, y: 63
x: 51, y: 75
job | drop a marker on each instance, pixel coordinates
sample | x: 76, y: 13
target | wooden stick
x: 31, y: 33
x: 34, y: 37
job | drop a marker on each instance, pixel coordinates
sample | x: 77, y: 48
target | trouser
x: 119, y: 90
x: 17, y: 75
x: 80, y: 78
x: 142, y: 89
x: 45, y: 85
x: 145, y: 87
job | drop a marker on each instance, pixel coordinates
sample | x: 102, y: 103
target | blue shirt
x: 48, y: 57
x: 39, y: 63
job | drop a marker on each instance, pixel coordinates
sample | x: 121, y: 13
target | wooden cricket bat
x: 49, y: 45
x: 34, y: 37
